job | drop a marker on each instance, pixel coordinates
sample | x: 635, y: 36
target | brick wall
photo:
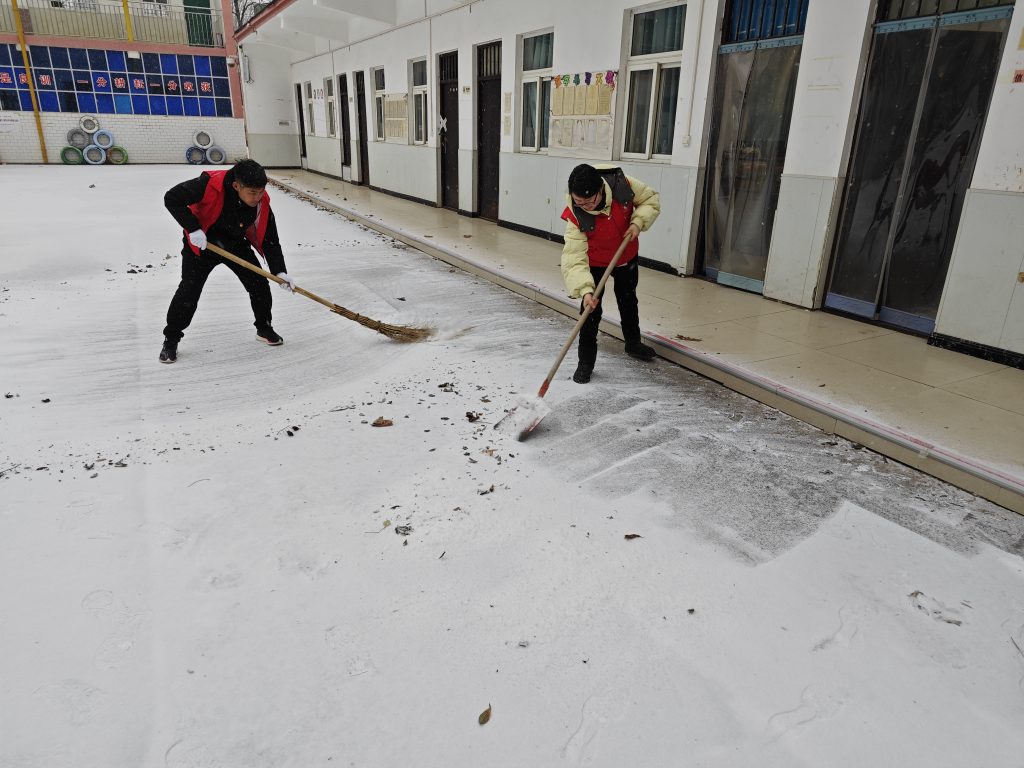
x: 156, y: 139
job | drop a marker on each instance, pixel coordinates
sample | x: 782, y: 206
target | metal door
x: 488, y: 104
x: 448, y: 128
x: 364, y: 150
x: 925, y: 99
x: 346, y: 129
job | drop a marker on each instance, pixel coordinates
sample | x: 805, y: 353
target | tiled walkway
x: 951, y: 415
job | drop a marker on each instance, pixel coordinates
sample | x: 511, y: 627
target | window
x: 310, y: 125
x: 378, y: 101
x: 419, y: 101
x: 154, y: 7
x: 652, y: 81
x: 536, y: 91
x: 330, y: 108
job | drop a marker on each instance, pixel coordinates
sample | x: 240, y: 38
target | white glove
x: 288, y: 284
x: 198, y: 239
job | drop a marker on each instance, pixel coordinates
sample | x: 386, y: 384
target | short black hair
x: 584, y: 181
x: 250, y: 174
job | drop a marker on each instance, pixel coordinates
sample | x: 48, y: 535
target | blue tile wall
x: 111, y: 82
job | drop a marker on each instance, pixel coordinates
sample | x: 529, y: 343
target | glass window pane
x: 529, y: 137
x: 378, y: 79
x: 419, y: 73
x: 39, y: 55
x: 638, y: 109
x: 665, y: 116
x: 421, y: 117
x: 545, y: 111
x: 537, y: 51
x: 658, y: 31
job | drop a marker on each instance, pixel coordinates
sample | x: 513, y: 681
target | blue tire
x: 103, y: 139
x: 94, y: 155
x: 195, y: 156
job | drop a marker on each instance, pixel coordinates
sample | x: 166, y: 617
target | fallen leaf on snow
x: 380, y: 421
x: 484, y: 716
x: 470, y: 416
x: 687, y: 338
x: 629, y: 536
x: 403, y: 530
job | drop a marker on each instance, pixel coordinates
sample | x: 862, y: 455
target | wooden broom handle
x: 270, y: 276
x: 583, y: 317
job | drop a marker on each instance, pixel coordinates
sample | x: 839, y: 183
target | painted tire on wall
x: 117, y: 155
x: 104, y: 139
x: 216, y: 156
x: 94, y: 155
x: 195, y: 156
x: 89, y: 124
x: 71, y: 156
x: 202, y: 139
x: 78, y: 138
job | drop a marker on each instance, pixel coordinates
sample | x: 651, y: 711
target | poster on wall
x: 582, y: 114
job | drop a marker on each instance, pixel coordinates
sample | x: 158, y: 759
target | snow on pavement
x: 222, y: 562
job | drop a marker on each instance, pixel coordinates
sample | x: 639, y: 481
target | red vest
x: 208, y: 211
x: 606, y: 236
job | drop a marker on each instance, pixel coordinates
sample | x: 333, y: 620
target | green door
x: 199, y: 22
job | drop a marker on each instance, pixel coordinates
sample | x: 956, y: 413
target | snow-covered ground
x: 222, y: 562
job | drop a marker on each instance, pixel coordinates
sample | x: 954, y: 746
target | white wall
x: 820, y: 136
x: 983, y: 299
x: 269, y: 105
x: 146, y: 139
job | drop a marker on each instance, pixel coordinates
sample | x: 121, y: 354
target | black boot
x: 169, y: 352
x: 267, y: 335
x: 583, y: 371
x: 640, y: 351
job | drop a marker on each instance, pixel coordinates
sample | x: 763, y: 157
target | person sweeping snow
x: 230, y: 209
x: 604, y: 206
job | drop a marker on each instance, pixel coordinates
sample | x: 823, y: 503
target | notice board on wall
x: 582, y: 119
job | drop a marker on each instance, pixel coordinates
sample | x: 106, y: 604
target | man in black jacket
x: 230, y: 209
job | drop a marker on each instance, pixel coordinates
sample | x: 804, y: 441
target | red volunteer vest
x: 606, y: 236
x: 208, y: 211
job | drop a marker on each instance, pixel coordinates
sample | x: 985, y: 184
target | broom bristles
x: 403, y: 334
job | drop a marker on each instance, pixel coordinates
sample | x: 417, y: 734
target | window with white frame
x: 307, y: 89
x: 536, y: 90
x: 378, y: 101
x: 419, y: 101
x: 330, y: 108
x: 652, y: 80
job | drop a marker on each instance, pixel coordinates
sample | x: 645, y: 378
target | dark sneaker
x: 583, y: 371
x: 268, y: 336
x: 169, y: 352
x: 640, y: 351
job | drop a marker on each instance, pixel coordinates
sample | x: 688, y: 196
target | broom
x: 403, y: 334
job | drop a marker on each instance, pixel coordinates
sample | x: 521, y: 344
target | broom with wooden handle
x: 400, y: 333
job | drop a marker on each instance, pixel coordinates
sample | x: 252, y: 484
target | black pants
x: 195, y: 270
x: 624, y: 279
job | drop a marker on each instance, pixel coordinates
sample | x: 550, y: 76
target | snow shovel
x: 526, y: 415
x: 400, y: 333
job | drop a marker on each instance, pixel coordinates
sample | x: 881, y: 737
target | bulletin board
x: 582, y: 114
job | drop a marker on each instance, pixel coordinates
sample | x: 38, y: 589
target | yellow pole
x: 31, y: 80
x: 128, y: 21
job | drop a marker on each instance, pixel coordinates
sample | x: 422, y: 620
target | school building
x: 81, y: 79
x: 863, y: 157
